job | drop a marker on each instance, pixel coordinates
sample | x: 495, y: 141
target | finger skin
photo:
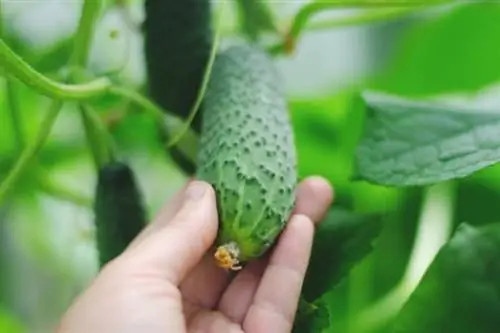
x: 275, y: 302
x: 175, y: 249
x: 314, y: 196
x: 138, y: 304
x: 204, y: 285
x: 237, y: 298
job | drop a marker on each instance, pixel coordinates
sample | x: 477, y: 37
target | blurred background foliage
x: 47, y: 250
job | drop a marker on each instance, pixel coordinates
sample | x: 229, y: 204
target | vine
x: 204, y: 83
x: 14, y: 114
x: 21, y: 70
x: 382, y: 10
x: 31, y: 151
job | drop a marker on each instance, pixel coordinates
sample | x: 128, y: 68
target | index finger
x: 174, y: 250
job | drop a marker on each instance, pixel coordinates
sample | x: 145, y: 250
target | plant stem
x: 46, y: 86
x: 12, y: 105
x: 50, y: 88
x: 166, y: 122
x: 63, y: 193
x: 30, y: 152
x: 85, y: 31
x: 433, y: 231
x: 301, y: 19
x: 204, y: 83
x: 149, y: 106
x: 96, y: 135
x: 372, y: 16
x: 15, y: 115
x: 78, y: 61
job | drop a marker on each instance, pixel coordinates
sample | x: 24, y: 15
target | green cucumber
x: 118, y: 209
x: 178, y: 38
x: 247, y: 153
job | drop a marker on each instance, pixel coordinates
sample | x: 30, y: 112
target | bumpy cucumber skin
x: 178, y: 38
x: 247, y: 151
x: 118, y: 209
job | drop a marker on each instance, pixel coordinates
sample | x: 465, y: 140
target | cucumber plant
x: 245, y: 140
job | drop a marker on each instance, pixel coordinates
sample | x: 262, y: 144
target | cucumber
x: 178, y: 38
x: 247, y: 153
x: 118, y: 209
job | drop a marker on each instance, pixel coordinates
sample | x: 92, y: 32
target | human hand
x: 166, y: 281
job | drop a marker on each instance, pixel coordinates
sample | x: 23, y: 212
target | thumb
x: 175, y: 249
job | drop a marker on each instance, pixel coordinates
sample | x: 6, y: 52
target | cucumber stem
x: 84, y: 34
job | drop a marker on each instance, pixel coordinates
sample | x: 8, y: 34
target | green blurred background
x: 47, y: 251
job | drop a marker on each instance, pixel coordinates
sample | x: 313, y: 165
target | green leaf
x: 311, y: 317
x: 453, y: 51
x: 409, y: 142
x: 328, y: 130
x: 255, y: 17
x: 460, y: 292
x: 342, y: 240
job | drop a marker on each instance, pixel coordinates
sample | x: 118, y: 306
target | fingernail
x: 195, y: 190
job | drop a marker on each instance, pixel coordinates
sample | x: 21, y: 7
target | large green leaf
x: 418, y: 143
x: 461, y: 290
x: 450, y: 52
x: 327, y: 130
x: 342, y: 240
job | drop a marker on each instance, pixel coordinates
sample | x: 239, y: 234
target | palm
x: 212, y: 302
x: 203, y: 293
